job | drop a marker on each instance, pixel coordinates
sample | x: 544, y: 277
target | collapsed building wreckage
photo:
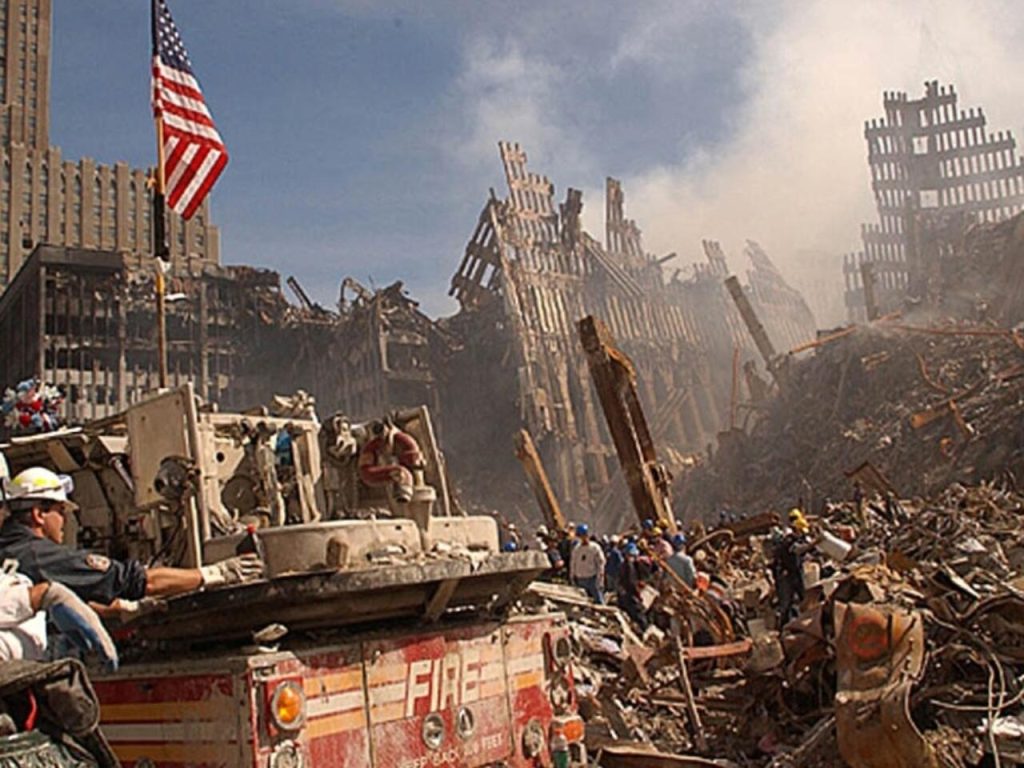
x: 905, y: 652
x: 900, y: 405
x: 920, y: 395
x: 935, y: 170
x: 530, y: 271
x: 906, y: 648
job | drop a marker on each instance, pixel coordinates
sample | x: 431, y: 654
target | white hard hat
x: 40, y: 484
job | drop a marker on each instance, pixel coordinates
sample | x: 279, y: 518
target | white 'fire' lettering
x: 414, y: 688
x: 450, y: 681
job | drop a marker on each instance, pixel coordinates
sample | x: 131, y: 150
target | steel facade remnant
x: 537, y: 477
x: 529, y: 273
x: 615, y: 381
x: 932, y: 164
x: 83, y: 320
x: 757, y: 331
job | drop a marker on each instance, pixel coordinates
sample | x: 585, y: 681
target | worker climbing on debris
x: 858, y: 500
x: 586, y: 564
x: 33, y: 535
x: 787, y: 555
x: 680, y: 562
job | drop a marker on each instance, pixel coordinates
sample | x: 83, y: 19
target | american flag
x: 194, y: 154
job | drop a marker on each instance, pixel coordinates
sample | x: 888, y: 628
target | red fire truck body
x: 479, y: 694
x: 373, y: 637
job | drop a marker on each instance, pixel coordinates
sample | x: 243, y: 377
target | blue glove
x: 79, y: 623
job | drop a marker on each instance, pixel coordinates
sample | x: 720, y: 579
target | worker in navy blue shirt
x: 34, y: 535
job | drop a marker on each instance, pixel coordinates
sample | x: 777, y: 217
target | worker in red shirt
x: 389, y: 460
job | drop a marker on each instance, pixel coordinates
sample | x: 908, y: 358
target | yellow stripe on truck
x: 224, y: 753
x: 328, y: 726
x: 335, y: 682
x: 527, y: 680
x: 150, y: 712
x: 386, y: 674
x: 388, y: 712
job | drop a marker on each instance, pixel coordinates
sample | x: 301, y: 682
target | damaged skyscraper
x: 935, y: 170
x: 509, y: 359
x: 530, y: 272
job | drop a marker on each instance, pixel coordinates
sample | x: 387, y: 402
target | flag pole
x: 160, y: 249
x: 162, y: 254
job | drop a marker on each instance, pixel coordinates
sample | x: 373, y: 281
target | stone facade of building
x: 45, y: 198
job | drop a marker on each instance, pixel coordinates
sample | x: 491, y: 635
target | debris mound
x: 925, y: 406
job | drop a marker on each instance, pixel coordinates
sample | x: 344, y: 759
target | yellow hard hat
x: 797, y: 519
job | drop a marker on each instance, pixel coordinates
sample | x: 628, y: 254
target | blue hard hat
x: 679, y: 540
x: 632, y: 549
x: 582, y: 529
x: 510, y: 546
x: 647, y: 524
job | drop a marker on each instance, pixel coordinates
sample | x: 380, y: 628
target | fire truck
x: 382, y: 633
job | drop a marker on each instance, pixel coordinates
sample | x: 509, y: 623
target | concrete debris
x: 907, y: 653
x: 884, y: 408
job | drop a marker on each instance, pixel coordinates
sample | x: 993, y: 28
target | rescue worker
x: 613, y: 564
x: 566, y: 543
x: 33, y: 535
x: 657, y: 547
x: 798, y: 521
x: 389, y: 459
x: 24, y: 607
x: 858, y: 500
x: 586, y: 564
x: 630, y: 584
x: 787, y: 552
x: 681, y: 563
x: 549, y: 544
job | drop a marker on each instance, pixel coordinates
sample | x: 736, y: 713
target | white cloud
x: 789, y: 169
x: 795, y: 176
x: 506, y: 95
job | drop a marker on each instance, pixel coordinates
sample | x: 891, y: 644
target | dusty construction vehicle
x: 379, y: 636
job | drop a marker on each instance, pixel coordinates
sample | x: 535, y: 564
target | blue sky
x: 363, y: 134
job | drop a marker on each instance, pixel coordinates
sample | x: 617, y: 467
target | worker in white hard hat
x: 33, y: 535
x: 24, y: 607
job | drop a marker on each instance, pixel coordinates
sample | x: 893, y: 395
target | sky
x: 363, y: 133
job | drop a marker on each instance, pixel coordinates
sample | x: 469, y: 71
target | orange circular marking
x: 868, y: 637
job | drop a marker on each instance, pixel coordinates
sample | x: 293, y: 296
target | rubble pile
x: 925, y: 406
x: 909, y: 646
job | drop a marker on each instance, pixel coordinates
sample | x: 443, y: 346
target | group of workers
x: 618, y: 565
x: 41, y: 577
